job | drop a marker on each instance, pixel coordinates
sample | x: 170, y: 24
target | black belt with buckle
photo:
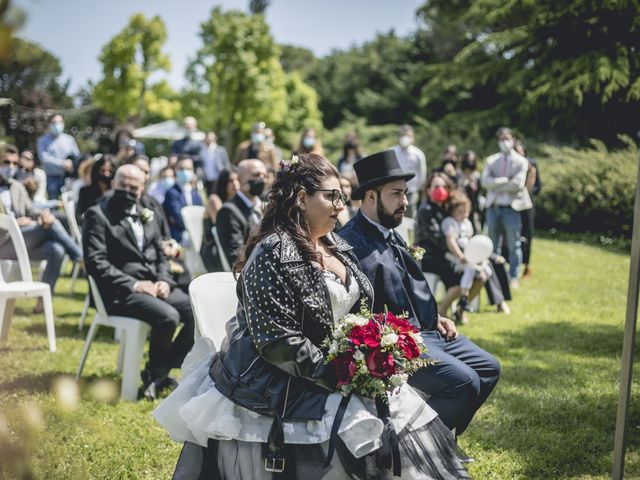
x: 274, y: 464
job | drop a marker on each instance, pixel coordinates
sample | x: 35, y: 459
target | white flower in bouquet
x: 333, y: 348
x: 398, y: 379
x: 389, y: 339
x: 416, y: 337
x: 358, y: 356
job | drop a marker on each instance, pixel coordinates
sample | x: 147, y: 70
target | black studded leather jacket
x: 272, y: 359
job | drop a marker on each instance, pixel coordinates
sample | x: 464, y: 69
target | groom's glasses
x: 336, y: 195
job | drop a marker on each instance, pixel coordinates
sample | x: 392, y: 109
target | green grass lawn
x: 552, y: 415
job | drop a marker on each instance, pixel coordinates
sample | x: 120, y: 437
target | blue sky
x: 76, y: 30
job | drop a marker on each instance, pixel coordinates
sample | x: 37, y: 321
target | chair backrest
x: 223, y: 258
x: 8, y: 223
x: 214, y: 302
x: 97, y: 298
x: 193, y: 216
x: 406, y: 229
x: 70, y: 211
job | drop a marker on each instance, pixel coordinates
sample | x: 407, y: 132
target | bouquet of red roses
x: 374, y: 354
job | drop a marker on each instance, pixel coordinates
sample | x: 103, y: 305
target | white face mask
x: 405, y: 141
x: 505, y: 145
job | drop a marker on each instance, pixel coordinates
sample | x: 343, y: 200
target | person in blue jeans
x: 44, y: 235
x: 504, y: 178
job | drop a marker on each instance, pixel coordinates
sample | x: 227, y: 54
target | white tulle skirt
x: 196, y: 412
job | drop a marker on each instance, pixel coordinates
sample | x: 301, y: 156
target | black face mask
x: 256, y: 187
x: 124, y: 200
x: 105, y: 178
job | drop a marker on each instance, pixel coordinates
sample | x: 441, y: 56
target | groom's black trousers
x: 460, y: 382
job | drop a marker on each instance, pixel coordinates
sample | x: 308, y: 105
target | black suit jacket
x: 234, y: 222
x: 398, y: 281
x: 112, y: 256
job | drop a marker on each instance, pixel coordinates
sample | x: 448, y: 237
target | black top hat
x: 378, y: 169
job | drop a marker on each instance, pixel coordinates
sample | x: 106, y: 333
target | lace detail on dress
x: 343, y: 297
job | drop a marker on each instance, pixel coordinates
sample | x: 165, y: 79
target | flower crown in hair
x: 287, y: 167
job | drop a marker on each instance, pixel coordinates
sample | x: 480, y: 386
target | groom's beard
x: 389, y: 219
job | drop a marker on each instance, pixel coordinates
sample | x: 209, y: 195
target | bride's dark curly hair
x: 283, y: 212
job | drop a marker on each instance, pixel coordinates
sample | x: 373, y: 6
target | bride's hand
x: 447, y: 328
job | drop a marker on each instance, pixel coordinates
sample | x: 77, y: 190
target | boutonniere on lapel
x: 417, y: 252
x: 146, y: 215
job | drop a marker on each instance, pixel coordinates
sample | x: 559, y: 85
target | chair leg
x: 6, y: 315
x: 87, y: 343
x: 48, y: 317
x: 122, y: 339
x: 85, y: 311
x: 74, y: 276
x: 134, y: 351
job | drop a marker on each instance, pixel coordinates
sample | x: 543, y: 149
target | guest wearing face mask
x: 412, y: 160
x: 125, y: 257
x: 258, y: 147
x: 101, y: 177
x: 33, y: 178
x: 351, y: 153
x: 57, y: 152
x: 310, y: 143
x: 44, y: 236
x: 166, y: 180
x: 504, y: 177
x: 190, y: 145
x: 180, y: 195
x: 243, y: 212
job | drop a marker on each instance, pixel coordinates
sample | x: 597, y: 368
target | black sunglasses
x: 335, y: 196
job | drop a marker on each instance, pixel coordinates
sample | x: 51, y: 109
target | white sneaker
x: 514, y: 284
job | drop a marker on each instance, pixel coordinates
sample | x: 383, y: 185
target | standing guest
x: 214, y: 160
x: 125, y: 257
x: 270, y: 139
x: 189, y: 145
x: 57, y: 152
x: 179, y: 196
x: 465, y: 375
x: 241, y: 213
x: 126, y: 146
x: 33, y: 178
x: 351, y: 153
x: 166, y: 180
x: 44, y: 235
x: 533, y: 184
x: 411, y: 160
x: 228, y: 185
x: 101, y: 176
x: 504, y: 177
x: 258, y: 147
x: 449, y: 167
x: 469, y: 183
x: 309, y: 142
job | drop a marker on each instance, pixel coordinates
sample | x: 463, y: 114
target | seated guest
x: 226, y: 188
x: 84, y: 175
x: 346, y: 214
x: 44, y: 235
x: 242, y: 212
x: 101, y: 176
x: 465, y: 375
x: 124, y: 255
x: 33, y: 178
x: 166, y: 180
x: 179, y: 196
x: 428, y: 235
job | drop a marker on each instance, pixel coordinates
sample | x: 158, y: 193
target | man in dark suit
x: 124, y: 255
x: 179, y: 196
x: 465, y: 375
x: 239, y: 215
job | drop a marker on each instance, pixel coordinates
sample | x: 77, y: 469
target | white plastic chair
x: 132, y: 335
x: 406, y: 229
x: 223, y: 258
x: 25, y: 287
x: 193, y: 217
x: 214, y: 302
x: 70, y: 211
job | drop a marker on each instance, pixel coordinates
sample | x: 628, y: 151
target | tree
x: 302, y: 110
x: 258, y: 7
x: 236, y: 78
x: 299, y: 59
x: 129, y: 60
x: 571, y: 68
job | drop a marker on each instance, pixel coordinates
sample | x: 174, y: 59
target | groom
x: 465, y: 374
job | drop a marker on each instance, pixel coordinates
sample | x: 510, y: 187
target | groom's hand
x: 447, y: 328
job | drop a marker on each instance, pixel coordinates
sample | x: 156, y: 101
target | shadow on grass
x: 32, y: 383
x: 70, y: 330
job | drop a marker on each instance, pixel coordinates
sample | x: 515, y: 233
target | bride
x: 264, y: 406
